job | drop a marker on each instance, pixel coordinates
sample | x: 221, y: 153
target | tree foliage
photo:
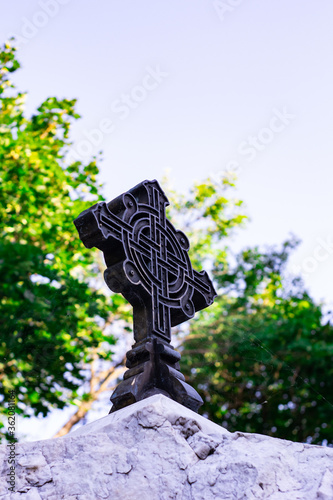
x: 261, y: 356
x: 51, y: 317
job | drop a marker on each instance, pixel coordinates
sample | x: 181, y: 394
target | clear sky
x: 198, y: 87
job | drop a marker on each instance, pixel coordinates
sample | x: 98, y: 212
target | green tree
x: 53, y: 323
x: 261, y: 356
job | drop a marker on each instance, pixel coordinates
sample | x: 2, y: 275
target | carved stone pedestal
x: 154, y: 369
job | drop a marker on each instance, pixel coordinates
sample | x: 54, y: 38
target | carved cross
x: 147, y: 261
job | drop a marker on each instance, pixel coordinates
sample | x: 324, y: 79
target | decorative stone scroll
x: 147, y: 262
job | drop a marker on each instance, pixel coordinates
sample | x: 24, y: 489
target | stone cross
x: 147, y: 262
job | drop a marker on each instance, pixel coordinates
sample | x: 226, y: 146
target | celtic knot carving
x: 147, y: 261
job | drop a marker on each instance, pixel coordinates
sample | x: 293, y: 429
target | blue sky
x: 198, y: 87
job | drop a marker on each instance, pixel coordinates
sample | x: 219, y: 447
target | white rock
x: 159, y: 450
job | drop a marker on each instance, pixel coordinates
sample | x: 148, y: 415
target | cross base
x: 153, y: 368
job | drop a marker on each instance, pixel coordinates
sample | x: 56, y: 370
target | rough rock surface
x: 157, y: 450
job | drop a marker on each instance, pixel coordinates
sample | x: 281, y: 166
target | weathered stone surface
x: 157, y: 450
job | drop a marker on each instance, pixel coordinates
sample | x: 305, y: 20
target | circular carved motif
x: 156, y: 256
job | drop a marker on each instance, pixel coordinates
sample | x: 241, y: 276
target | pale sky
x: 196, y: 86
